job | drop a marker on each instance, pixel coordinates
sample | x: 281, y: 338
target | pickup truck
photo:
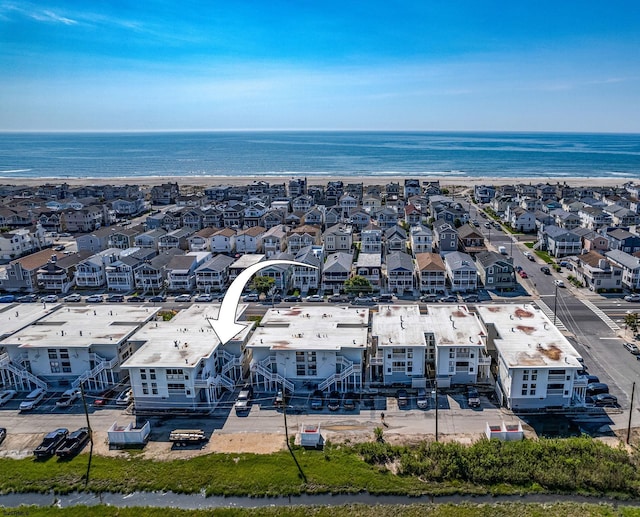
x: 73, y: 443
x: 68, y: 397
x: 473, y: 397
x: 50, y: 443
x: 243, y: 403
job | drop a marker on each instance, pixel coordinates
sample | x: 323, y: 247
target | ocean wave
x: 14, y: 171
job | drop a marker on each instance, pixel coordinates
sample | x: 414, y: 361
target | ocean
x: 319, y: 153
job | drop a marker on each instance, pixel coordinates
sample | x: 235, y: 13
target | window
x: 154, y: 388
x: 532, y: 391
x: 55, y: 366
x: 524, y: 389
x: 66, y: 367
x: 152, y: 374
x: 64, y: 353
x: 143, y: 375
x: 53, y: 353
x: 145, y: 388
x: 525, y: 375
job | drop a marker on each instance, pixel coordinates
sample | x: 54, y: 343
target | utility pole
x: 436, y: 402
x: 86, y: 414
x: 633, y: 390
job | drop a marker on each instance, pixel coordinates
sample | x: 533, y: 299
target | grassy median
x: 574, y: 465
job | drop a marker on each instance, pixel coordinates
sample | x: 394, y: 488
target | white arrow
x: 225, y: 325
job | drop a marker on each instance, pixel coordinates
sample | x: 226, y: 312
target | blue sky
x: 389, y: 65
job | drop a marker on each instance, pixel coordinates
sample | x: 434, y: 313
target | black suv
x: 50, y: 443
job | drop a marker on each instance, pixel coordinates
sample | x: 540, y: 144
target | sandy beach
x: 202, y: 181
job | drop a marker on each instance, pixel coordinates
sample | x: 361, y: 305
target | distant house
x: 213, y: 275
x: 559, y: 242
x: 303, y: 237
x: 274, y: 241
x: 421, y: 239
x: 446, y: 238
x: 91, y: 272
x: 623, y: 240
x: 152, y: 275
x: 250, y: 240
x: 223, y: 241
x: 338, y: 238
x: 461, y: 271
x: 201, y: 240
x: 369, y: 266
x: 400, y: 272
x: 175, y: 239
x: 596, y: 272
x: 371, y: 239
x: 630, y: 266
x: 21, y: 274
x: 395, y: 239
x: 165, y: 194
x: 58, y: 275
x: 336, y: 271
x: 181, y: 270
x: 120, y: 275
x: 522, y: 220
x: 496, y: 271
x: 307, y: 278
x: 471, y: 239
x: 149, y: 239
x: 432, y: 275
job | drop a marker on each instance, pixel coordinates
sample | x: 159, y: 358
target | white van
x: 33, y: 399
x: 502, y: 250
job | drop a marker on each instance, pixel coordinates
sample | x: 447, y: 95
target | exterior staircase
x: 93, y: 374
x: 22, y: 377
x: 348, y: 369
x: 270, y: 378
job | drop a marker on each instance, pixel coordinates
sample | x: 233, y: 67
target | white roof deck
x: 14, y: 317
x: 454, y: 325
x: 399, y: 325
x: 182, y: 341
x: 312, y: 328
x: 526, y: 337
x: 82, y: 326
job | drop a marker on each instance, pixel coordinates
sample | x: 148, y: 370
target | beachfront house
x: 461, y: 272
x: 432, y: 275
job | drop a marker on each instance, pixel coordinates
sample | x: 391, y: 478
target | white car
x: 204, y: 298
x: 559, y: 283
x: 124, y: 398
x: 68, y: 397
x: 6, y: 396
x: 73, y: 298
x: 183, y: 298
x: 94, y: 298
x: 632, y: 298
x: 50, y: 298
x: 33, y: 399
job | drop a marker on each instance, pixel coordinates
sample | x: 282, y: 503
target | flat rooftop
x: 398, y: 325
x: 454, y: 325
x: 16, y: 316
x: 181, y: 341
x: 81, y: 326
x: 527, y: 338
x: 312, y: 328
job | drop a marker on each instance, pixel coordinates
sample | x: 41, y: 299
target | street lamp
x: 555, y: 305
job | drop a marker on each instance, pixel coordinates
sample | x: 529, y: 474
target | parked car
x: 124, y: 398
x: 592, y: 379
x: 104, y: 398
x: 338, y: 298
x: 94, y: 298
x: 545, y: 270
x: 73, y: 443
x: 33, y: 399
x: 631, y: 347
x: 6, y: 396
x: 595, y: 388
x: 473, y: 397
x: 183, y: 298
x: 158, y: 298
x: 136, y: 298
x: 317, y: 400
x: 529, y: 256
x: 403, y: 398
x: 68, y: 397
x: 523, y: 274
x: 251, y: 298
x: 280, y: 399
x: 115, y: 298
x: 27, y: 298
x: 559, y: 283
x: 50, y: 443
x: 202, y: 298
x: 384, y: 298
x: 349, y: 402
x: 448, y: 299
x: 292, y: 299
x: 470, y: 298
x: 632, y: 298
x: 333, y: 403
x: 49, y: 298
x: 487, y: 224
x: 315, y: 298
x: 422, y: 400
x: 72, y: 298
x: 7, y: 298
x: 243, y: 403
x: 363, y: 300
x: 426, y: 298
x: 605, y: 400
x: 3, y: 434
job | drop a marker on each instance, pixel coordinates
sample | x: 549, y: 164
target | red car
x: 523, y: 274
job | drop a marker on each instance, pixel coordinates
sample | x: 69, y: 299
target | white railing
x: 351, y: 369
x: 102, y: 365
x: 263, y: 368
x: 20, y: 372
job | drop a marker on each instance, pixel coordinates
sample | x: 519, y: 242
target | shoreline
x: 205, y: 181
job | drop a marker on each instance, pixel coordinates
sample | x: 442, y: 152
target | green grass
x: 348, y: 510
x: 575, y: 465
